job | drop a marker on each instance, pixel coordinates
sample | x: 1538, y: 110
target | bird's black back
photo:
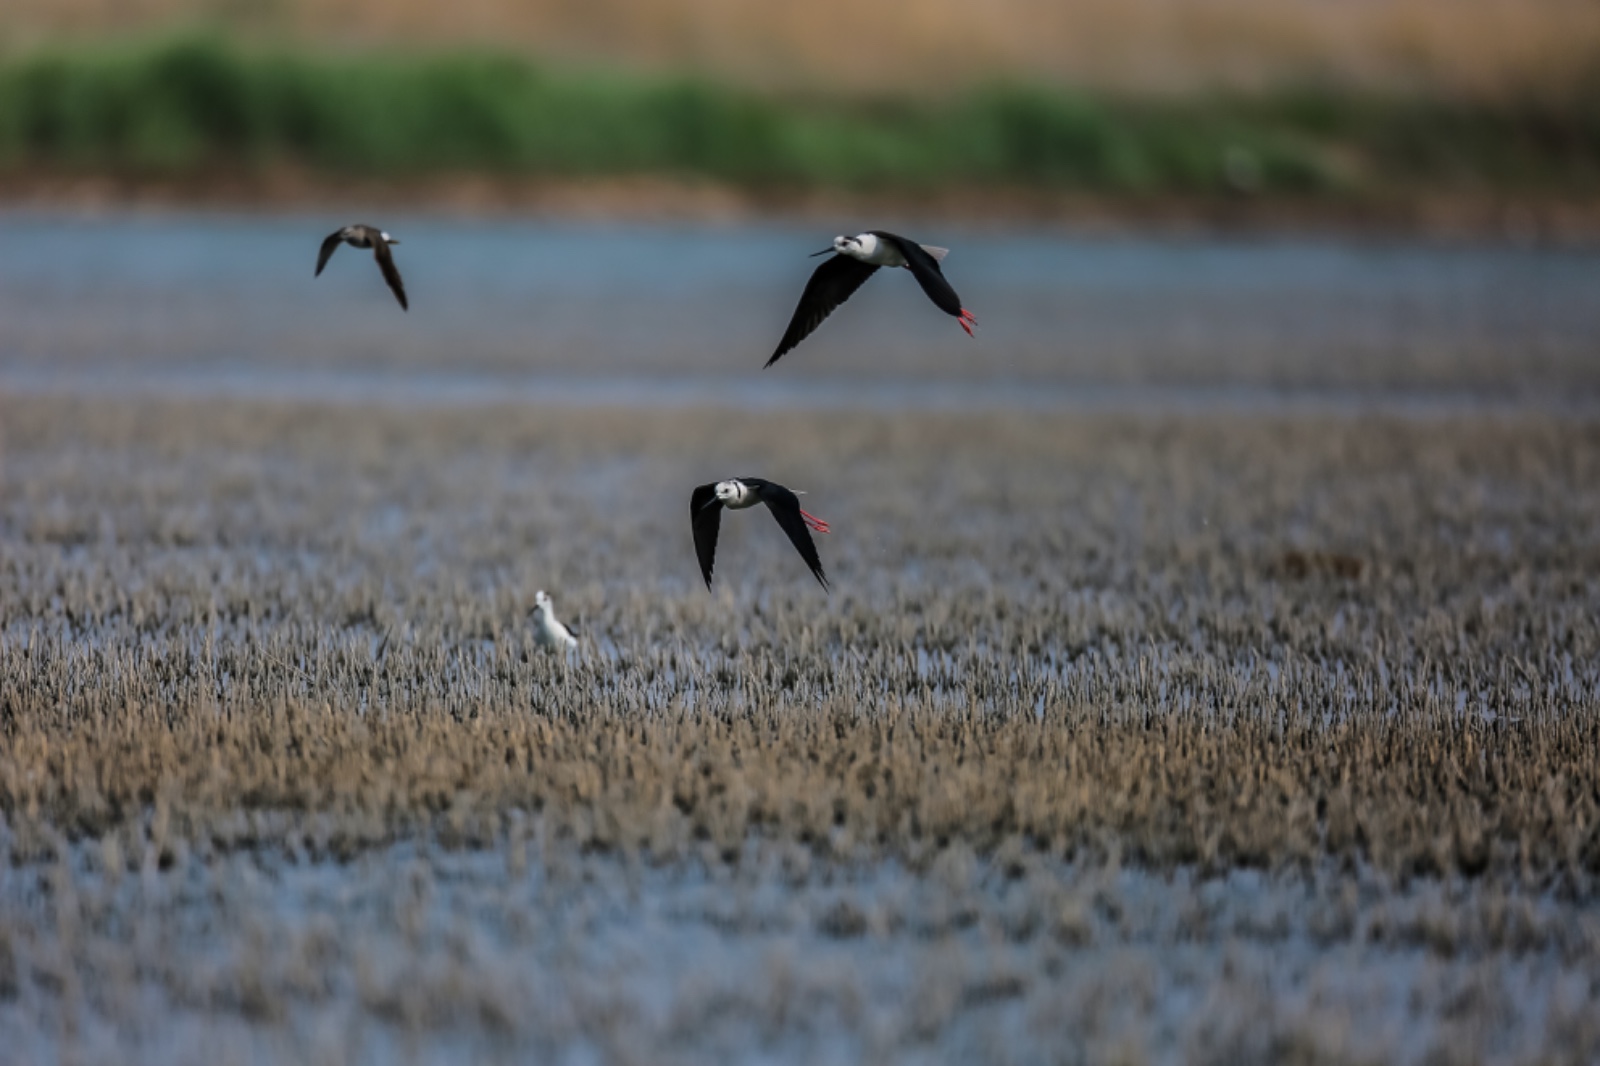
x: 928, y: 274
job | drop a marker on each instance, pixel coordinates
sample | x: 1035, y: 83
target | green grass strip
x: 186, y: 104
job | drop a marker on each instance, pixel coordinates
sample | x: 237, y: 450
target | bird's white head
x: 541, y: 602
x: 388, y: 239
x: 732, y: 491
x: 861, y: 246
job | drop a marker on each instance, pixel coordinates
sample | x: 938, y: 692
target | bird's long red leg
x: 814, y: 522
x: 967, y: 320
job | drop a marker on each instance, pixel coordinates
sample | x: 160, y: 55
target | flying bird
x: 363, y: 236
x: 547, y: 631
x: 705, y: 513
x: 855, y: 260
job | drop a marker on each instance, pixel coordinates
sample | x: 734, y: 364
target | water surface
x: 538, y: 311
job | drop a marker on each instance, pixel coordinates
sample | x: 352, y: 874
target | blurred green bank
x: 190, y: 105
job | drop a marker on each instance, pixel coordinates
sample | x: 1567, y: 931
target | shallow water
x: 434, y: 955
x: 545, y: 312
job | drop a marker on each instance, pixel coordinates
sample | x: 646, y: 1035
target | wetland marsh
x: 1248, y: 718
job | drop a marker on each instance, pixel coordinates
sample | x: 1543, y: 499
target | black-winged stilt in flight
x: 547, y: 631
x: 854, y: 261
x: 363, y: 236
x: 705, y: 513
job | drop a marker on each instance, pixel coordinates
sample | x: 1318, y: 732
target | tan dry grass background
x: 1487, y: 47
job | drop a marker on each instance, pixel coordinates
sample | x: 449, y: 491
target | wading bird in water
x: 705, y: 514
x: 855, y: 260
x: 547, y: 631
x: 363, y: 236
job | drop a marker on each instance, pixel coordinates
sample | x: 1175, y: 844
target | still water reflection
x: 676, y: 314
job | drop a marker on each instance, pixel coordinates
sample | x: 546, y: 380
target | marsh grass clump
x: 1103, y: 738
x: 1161, y: 646
x: 1467, y: 800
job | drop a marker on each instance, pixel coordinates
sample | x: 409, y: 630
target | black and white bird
x: 363, y: 236
x: 705, y: 513
x: 548, y: 632
x: 855, y: 260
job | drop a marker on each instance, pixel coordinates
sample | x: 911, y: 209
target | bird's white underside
x: 547, y: 631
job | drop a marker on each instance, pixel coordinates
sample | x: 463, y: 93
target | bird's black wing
x: 391, y: 274
x: 705, y: 515
x: 329, y: 243
x: 785, y: 507
x: 926, y: 269
x: 831, y: 284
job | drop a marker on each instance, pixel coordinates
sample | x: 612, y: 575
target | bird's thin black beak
x: 710, y: 503
x: 825, y: 251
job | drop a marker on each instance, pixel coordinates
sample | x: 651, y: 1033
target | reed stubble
x: 1259, y: 643
x: 1119, y: 736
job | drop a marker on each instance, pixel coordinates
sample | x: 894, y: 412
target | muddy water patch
x: 533, y: 945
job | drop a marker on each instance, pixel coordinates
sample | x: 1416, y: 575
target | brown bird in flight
x: 363, y: 236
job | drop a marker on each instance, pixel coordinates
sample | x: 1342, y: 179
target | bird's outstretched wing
x: 785, y: 507
x: 926, y: 269
x: 831, y: 284
x: 329, y: 243
x: 705, y: 516
x: 391, y: 274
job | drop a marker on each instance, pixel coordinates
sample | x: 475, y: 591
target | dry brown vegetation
x: 1064, y: 635
x: 1067, y: 694
x: 1476, y: 46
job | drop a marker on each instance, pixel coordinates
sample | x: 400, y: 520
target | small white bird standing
x: 547, y: 631
x: 364, y: 236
